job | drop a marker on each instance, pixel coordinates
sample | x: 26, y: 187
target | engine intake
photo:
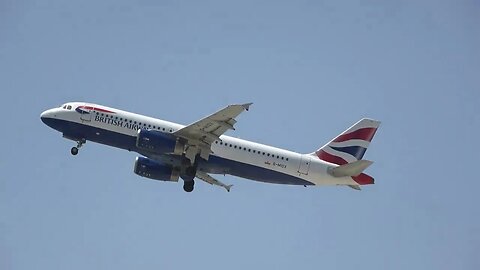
x: 159, y: 142
x: 149, y: 168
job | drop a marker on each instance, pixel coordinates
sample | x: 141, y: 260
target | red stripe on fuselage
x: 359, y: 134
x: 330, y: 158
x: 96, y: 109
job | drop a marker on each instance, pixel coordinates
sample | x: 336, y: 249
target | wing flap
x: 212, y: 181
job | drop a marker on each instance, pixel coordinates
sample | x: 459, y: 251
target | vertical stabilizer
x: 348, y: 148
x: 351, y: 144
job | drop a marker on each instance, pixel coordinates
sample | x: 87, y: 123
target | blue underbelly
x: 253, y: 172
x: 215, y: 164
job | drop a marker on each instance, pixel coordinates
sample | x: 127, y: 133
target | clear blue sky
x: 312, y: 68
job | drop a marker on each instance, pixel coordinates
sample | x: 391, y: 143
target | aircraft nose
x: 43, y: 116
x: 46, y: 115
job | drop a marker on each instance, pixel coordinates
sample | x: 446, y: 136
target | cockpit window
x: 64, y: 106
x: 69, y: 107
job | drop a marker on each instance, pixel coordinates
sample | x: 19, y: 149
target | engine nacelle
x: 159, y: 142
x: 151, y: 169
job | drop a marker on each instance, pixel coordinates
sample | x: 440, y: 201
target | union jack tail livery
x: 347, y: 150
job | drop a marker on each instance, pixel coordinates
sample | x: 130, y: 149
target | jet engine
x: 151, y: 169
x: 159, y: 142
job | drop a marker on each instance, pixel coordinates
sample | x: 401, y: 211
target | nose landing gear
x: 74, y: 150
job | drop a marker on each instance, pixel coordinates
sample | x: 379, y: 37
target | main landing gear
x: 74, y: 150
x: 188, y: 176
x: 188, y: 185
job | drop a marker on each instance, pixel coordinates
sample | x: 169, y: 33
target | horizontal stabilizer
x: 356, y: 187
x: 350, y: 169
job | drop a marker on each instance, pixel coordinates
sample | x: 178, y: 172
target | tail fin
x: 347, y: 150
x: 351, y: 144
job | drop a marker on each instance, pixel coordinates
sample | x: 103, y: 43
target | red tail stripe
x: 330, y: 158
x: 363, y: 179
x: 359, y: 134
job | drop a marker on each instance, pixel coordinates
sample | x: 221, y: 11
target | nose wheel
x: 74, y: 150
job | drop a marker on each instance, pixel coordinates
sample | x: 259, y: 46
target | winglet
x: 247, y: 105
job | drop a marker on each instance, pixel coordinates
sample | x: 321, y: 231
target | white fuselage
x: 241, y: 157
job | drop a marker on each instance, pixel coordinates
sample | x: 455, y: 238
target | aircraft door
x: 85, y: 113
x: 304, y: 164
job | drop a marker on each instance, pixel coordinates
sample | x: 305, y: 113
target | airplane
x: 170, y: 151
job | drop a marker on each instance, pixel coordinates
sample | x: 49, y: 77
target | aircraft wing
x: 207, y: 178
x: 199, y: 136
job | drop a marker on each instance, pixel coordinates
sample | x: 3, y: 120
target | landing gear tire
x: 74, y: 151
x: 188, y: 186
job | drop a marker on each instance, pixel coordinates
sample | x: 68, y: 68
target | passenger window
x: 235, y: 147
x: 248, y: 150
